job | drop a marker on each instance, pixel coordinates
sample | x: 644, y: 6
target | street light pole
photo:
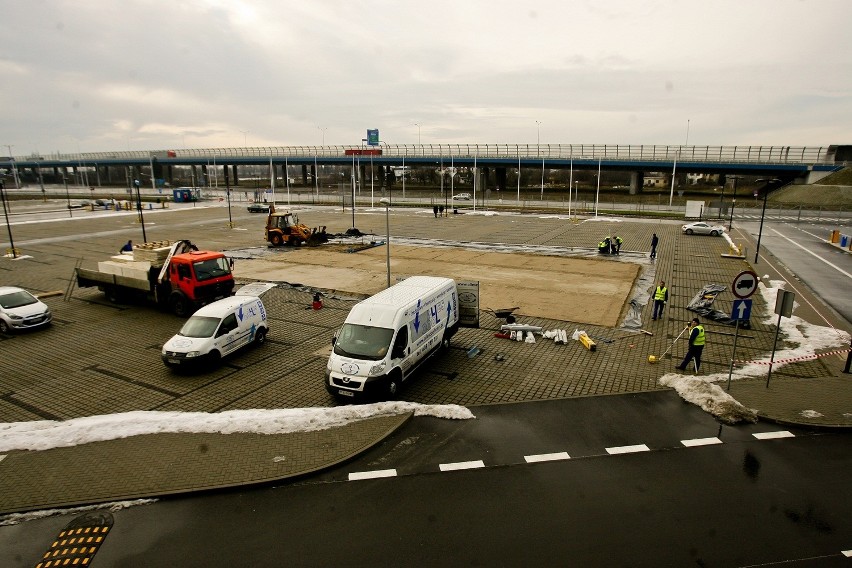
x: 67, y: 197
x: 139, y: 208
x: 538, y: 138
x: 14, y: 167
x: 386, y: 202
x: 323, y: 129
x: 769, y: 182
x: 245, y: 137
x: 6, y: 214
x: 733, y: 202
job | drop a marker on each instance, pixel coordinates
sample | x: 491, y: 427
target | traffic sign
x: 741, y: 310
x: 745, y: 284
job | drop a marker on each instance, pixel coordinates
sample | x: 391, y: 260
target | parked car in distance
x: 701, y: 228
x: 462, y: 196
x: 258, y: 208
x: 21, y: 310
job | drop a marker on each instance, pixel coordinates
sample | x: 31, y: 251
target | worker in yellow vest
x: 696, y: 345
x: 661, y: 296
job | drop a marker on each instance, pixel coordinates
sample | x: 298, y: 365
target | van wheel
x: 213, y: 359
x: 393, y: 385
x: 260, y: 337
x: 448, y: 335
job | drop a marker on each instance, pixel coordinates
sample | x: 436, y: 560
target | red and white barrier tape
x: 794, y: 359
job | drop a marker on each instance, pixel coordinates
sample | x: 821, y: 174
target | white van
x: 387, y: 336
x: 217, y: 330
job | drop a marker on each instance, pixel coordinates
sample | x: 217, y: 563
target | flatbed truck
x: 175, y: 276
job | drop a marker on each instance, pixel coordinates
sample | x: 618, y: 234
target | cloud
x: 621, y: 72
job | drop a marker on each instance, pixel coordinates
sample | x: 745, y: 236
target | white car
x: 462, y: 196
x: 21, y: 310
x: 702, y: 228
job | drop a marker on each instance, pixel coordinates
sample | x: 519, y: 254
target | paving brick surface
x: 101, y: 358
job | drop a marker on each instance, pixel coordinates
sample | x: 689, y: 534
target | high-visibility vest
x: 661, y: 293
x: 699, y: 339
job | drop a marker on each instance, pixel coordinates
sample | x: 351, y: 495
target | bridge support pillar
x: 637, y: 180
x: 501, y: 178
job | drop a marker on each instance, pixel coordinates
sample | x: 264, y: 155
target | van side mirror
x: 333, y: 340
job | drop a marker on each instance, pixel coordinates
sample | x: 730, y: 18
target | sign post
x: 743, y: 286
x: 783, y: 307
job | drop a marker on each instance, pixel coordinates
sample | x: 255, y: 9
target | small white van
x: 386, y: 337
x: 217, y: 330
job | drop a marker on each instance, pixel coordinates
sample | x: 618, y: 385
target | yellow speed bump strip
x: 78, y: 542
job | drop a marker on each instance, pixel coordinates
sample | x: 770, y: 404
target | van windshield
x: 363, y: 342
x: 199, y: 326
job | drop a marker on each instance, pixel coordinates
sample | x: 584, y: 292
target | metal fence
x: 642, y: 152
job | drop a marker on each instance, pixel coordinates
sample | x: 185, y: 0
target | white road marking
x: 358, y: 475
x: 773, y: 435
x: 791, y: 287
x: 628, y: 449
x: 461, y: 465
x: 547, y: 457
x: 2, y: 457
x: 846, y: 553
x: 815, y: 255
x: 700, y: 442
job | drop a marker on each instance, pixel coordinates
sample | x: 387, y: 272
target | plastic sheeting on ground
x: 702, y: 304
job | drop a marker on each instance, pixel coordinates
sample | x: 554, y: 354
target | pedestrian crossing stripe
x: 559, y: 456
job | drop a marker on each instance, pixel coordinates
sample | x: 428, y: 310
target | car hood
x: 28, y: 310
x: 183, y: 344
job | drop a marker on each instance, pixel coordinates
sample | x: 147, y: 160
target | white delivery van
x: 387, y: 336
x: 217, y: 330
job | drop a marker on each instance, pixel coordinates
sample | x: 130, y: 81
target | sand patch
x: 592, y: 291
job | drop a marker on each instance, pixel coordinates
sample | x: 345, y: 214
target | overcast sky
x: 98, y: 75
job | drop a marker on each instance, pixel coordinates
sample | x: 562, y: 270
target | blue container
x: 844, y: 241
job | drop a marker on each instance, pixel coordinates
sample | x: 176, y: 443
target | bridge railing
x: 642, y: 152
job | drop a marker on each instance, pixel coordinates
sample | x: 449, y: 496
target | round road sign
x: 745, y: 284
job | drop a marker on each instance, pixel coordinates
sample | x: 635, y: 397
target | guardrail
x: 735, y: 154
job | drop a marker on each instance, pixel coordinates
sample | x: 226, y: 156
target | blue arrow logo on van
x: 240, y: 313
x: 417, y: 318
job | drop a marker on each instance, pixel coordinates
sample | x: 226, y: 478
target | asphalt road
x: 802, y: 249
x: 742, y: 501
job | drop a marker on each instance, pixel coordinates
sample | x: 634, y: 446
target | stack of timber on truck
x: 176, y: 276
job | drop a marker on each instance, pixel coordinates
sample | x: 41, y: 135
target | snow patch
x: 112, y: 507
x: 47, y: 434
x: 806, y: 339
x: 604, y: 219
x: 710, y: 397
x: 811, y: 414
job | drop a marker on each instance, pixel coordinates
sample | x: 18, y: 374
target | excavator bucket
x: 317, y: 237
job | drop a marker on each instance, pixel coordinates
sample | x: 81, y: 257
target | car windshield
x: 17, y: 299
x: 363, y: 342
x: 199, y: 326
x: 213, y: 268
